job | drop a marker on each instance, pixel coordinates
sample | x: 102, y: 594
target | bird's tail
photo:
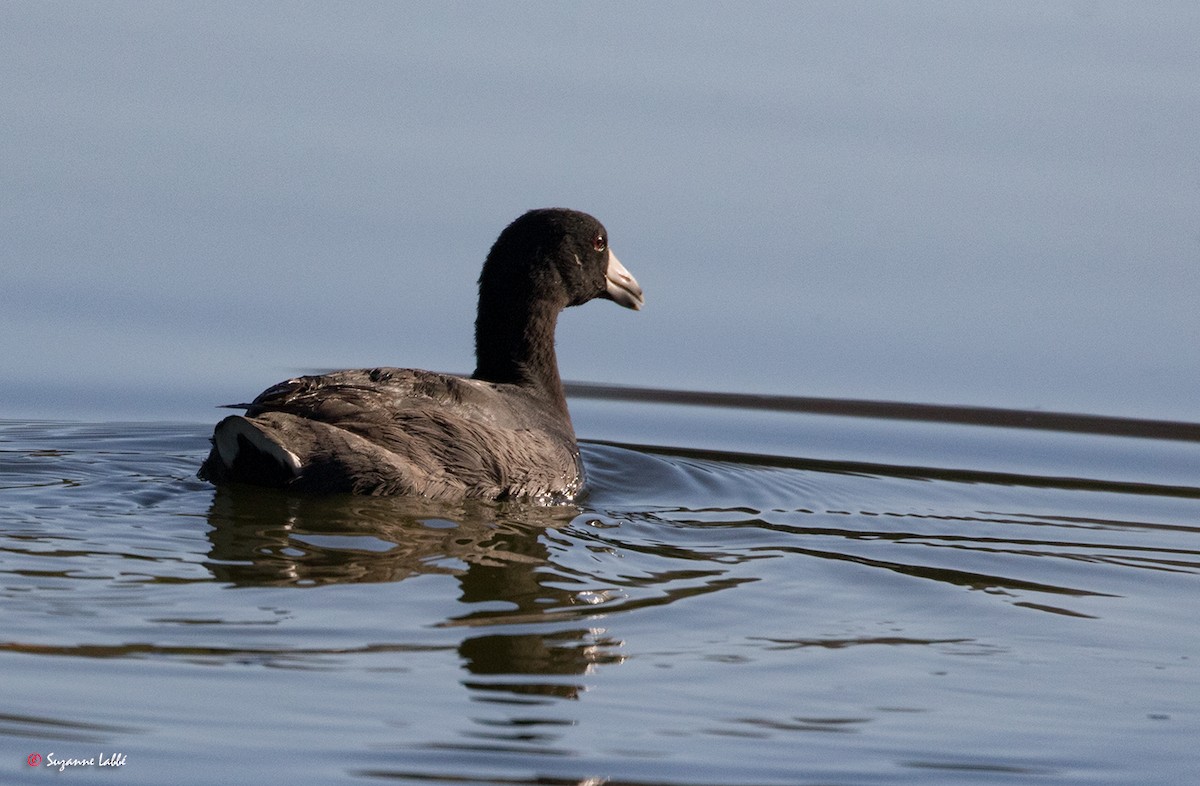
x: 247, y: 452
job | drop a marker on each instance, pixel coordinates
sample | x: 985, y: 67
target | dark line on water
x: 871, y: 469
x: 898, y: 410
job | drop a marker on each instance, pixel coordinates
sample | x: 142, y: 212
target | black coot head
x: 557, y: 255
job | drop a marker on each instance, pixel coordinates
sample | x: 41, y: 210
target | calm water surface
x: 936, y: 201
x: 973, y: 204
x: 744, y: 597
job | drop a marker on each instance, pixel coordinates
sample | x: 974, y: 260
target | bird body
x: 505, y: 432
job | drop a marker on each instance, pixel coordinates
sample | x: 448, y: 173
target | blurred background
x: 945, y: 202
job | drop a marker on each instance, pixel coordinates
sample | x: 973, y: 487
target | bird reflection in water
x: 498, y: 553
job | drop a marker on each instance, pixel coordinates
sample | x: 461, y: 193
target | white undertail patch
x: 226, y: 442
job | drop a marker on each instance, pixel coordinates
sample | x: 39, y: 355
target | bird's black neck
x: 514, y: 344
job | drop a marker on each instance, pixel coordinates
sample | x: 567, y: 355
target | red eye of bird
x: 600, y: 242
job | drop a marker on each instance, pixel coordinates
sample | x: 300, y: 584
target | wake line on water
x: 899, y: 410
x: 872, y: 469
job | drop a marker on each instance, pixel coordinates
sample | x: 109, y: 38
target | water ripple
x: 762, y: 602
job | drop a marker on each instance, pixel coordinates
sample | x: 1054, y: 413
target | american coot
x: 502, y: 433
